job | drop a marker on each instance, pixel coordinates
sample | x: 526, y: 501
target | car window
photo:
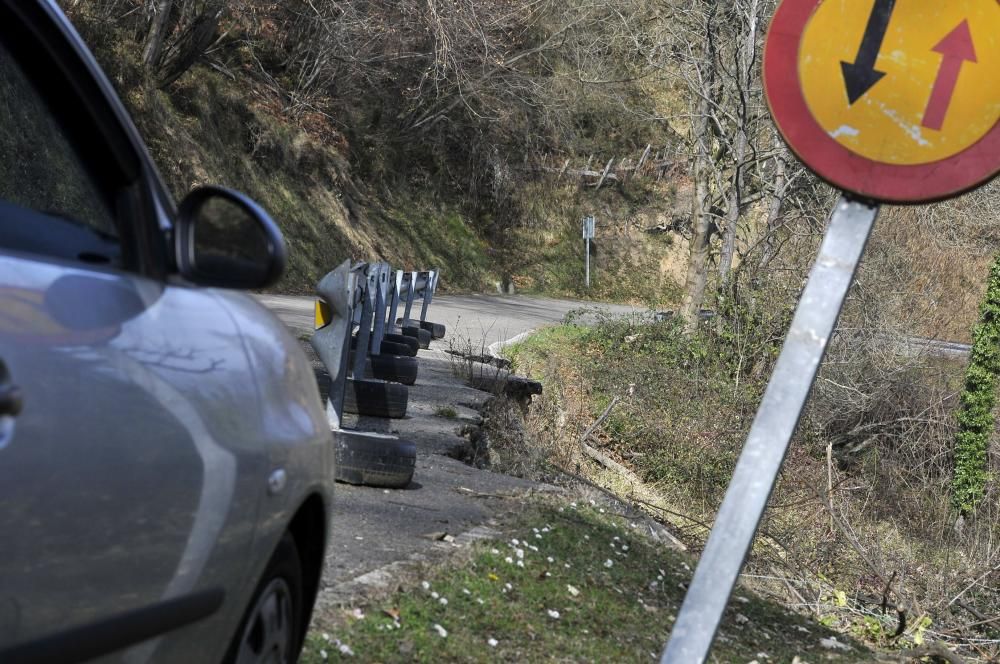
x: 48, y: 203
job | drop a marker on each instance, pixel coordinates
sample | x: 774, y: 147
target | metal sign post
x: 766, y: 445
x: 588, y: 234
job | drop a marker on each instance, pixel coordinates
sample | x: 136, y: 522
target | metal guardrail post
x: 383, y: 271
x: 427, y: 294
x: 332, y: 342
x: 394, y: 295
x: 369, y: 286
x: 410, y: 294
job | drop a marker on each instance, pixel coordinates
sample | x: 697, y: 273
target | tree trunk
x: 189, y: 45
x: 701, y: 216
x: 745, y: 60
x: 732, y: 212
x: 157, y: 31
x: 774, y: 214
x: 697, y: 275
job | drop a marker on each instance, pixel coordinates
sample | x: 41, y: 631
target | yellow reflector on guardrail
x: 323, y: 314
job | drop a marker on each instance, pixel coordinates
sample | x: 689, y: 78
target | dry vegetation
x: 862, y: 515
x: 409, y: 131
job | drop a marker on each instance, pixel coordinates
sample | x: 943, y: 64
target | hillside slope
x: 452, y: 136
x: 338, y: 191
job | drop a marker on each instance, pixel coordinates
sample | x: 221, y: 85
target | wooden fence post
x: 604, y: 175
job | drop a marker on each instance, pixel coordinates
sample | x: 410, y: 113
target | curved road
x: 474, y: 321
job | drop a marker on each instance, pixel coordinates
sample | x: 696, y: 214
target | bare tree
x: 177, y: 36
x: 705, y: 84
x: 157, y: 30
x: 745, y: 59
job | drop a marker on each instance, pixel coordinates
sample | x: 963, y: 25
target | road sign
x: 893, y: 100
x: 588, y: 228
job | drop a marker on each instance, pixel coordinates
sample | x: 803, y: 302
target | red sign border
x: 836, y: 164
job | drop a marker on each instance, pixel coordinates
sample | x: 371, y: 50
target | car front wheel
x: 271, y: 631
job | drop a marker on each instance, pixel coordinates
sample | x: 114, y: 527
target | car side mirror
x: 225, y: 239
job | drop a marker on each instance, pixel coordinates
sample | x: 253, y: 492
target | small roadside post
x: 901, y: 107
x: 588, y: 235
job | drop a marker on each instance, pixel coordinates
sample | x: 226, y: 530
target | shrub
x: 975, y: 416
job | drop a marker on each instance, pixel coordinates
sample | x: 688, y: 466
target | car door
x: 127, y: 493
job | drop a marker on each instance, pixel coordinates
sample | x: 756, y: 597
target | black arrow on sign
x: 861, y: 75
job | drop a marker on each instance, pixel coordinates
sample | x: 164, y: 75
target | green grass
x: 677, y: 399
x: 683, y: 408
x: 586, y: 586
x: 446, y: 412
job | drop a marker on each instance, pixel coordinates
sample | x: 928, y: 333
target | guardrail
x: 413, y: 286
x: 380, y: 358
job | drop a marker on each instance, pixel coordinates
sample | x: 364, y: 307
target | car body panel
x: 156, y: 415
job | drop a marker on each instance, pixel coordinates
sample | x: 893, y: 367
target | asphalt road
x: 472, y: 320
x: 484, y: 320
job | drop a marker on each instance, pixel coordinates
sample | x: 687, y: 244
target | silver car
x: 165, y: 462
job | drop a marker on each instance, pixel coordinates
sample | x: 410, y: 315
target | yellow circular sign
x: 903, y: 82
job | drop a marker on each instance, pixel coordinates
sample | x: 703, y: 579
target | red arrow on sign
x: 956, y: 47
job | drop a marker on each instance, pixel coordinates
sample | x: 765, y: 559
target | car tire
x: 393, y: 368
x: 273, y: 622
x: 374, y: 459
x: 375, y: 398
x: 437, y: 330
x: 422, y: 336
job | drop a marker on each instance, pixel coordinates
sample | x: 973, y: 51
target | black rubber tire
x: 437, y: 330
x: 375, y: 398
x: 408, y: 349
x: 394, y: 368
x: 394, y: 348
x: 422, y: 336
x: 374, y: 460
x: 398, y: 349
x: 285, y: 564
x: 402, y: 339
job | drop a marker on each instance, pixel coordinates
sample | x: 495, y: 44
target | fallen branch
x: 933, y: 650
x: 981, y: 620
x: 597, y: 455
x: 604, y: 459
x: 603, y: 416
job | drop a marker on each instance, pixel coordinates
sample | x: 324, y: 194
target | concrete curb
x: 496, y: 347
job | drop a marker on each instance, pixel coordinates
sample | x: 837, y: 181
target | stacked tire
x: 422, y: 336
x: 437, y: 330
x: 373, y: 459
x: 375, y: 398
